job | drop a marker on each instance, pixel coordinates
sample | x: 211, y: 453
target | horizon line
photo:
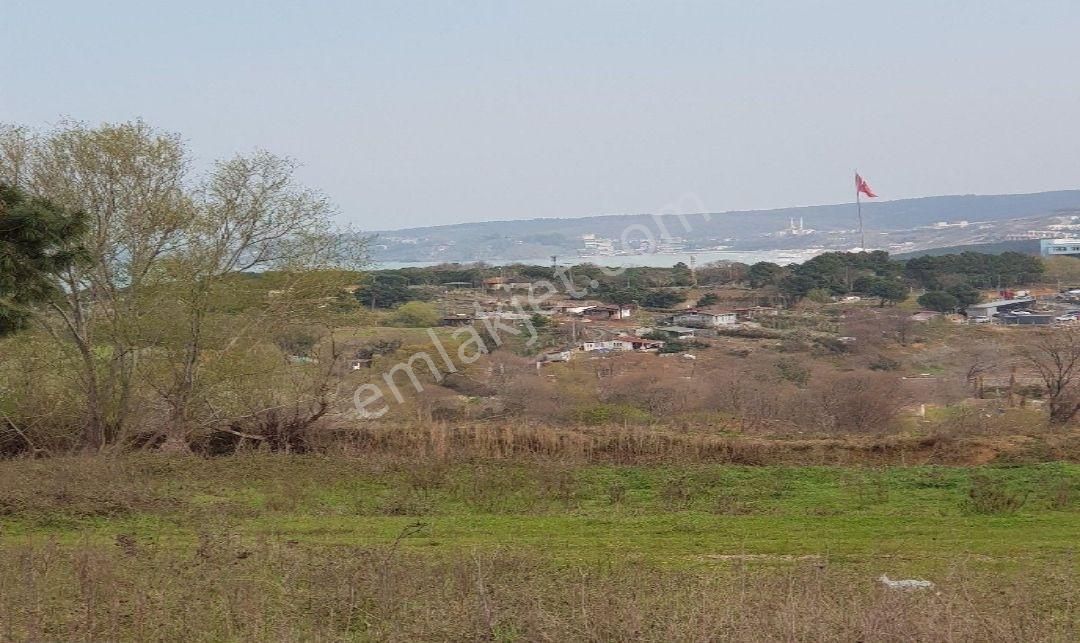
x: 880, y: 201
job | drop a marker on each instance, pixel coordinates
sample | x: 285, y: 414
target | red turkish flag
x: 862, y: 186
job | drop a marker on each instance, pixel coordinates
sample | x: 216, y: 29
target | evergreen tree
x: 37, y: 240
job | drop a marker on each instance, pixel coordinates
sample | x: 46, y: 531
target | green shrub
x: 674, y: 346
x: 415, y: 314
x: 616, y: 493
x: 708, y: 299
x: 677, y: 493
x: 882, y: 363
x: 940, y: 301
x: 793, y: 371
x: 989, y: 496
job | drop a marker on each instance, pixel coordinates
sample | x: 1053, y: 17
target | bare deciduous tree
x: 981, y: 358
x: 128, y: 179
x: 160, y: 297
x: 250, y: 216
x: 1055, y: 356
x: 858, y: 403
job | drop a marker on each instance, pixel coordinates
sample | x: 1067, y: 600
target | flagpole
x: 858, y: 207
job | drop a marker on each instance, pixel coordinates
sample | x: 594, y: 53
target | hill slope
x: 832, y: 225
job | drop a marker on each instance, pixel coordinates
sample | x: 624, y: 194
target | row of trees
x: 954, y: 280
x: 834, y: 273
x: 650, y: 287
x: 974, y: 269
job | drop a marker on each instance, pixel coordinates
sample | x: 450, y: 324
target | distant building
x: 456, y: 320
x: 573, y: 307
x: 602, y: 313
x: 1030, y: 319
x: 754, y: 312
x: 557, y: 356
x: 669, y: 245
x: 503, y: 314
x: 1055, y: 247
x: 502, y: 283
x: 608, y: 345
x: 988, y: 310
x: 594, y: 245
x: 703, y: 319
x: 1032, y: 234
x: 797, y: 230
x: 640, y: 343
x: 622, y: 343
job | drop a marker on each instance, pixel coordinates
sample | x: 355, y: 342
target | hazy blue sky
x: 415, y: 113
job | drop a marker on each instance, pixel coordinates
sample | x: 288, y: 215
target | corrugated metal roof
x: 1004, y: 302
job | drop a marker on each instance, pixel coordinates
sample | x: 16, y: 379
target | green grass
x: 274, y: 547
x: 663, y: 515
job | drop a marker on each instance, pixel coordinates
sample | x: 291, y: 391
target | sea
x: 665, y: 260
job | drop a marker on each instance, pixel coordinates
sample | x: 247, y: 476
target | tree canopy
x: 938, y: 300
x: 888, y: 290
x: 384, y: 290
x: 975, y: 269
x: 38, y: 239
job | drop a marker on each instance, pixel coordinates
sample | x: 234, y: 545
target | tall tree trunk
x: 183, y: 393
x: 94, y: 430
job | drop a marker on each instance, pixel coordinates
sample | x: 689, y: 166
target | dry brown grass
x: 642, y: 445
x: 228, y: 590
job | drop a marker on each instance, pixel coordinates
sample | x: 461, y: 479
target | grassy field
x: 300, y: 547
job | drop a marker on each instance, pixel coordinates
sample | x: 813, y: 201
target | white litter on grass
x: 764, y: 557
x: 909, y: 583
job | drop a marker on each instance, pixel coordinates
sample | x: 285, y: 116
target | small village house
x: 704, y: 319
x: 989, y: 309
x: 504, y: 284
x: 573, y: 307
x: 456, y: 320
x: 556, y: 356
x: 623, y: 343
x: 604, y: 313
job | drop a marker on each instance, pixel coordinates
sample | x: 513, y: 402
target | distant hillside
x: 833, y: 227
x: 1027, y: 247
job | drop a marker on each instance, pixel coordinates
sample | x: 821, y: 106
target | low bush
x: 992, y: 496
x: 600, y: 414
